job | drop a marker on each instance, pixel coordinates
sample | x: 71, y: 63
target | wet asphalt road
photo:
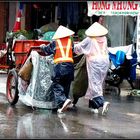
x: 20, y: 121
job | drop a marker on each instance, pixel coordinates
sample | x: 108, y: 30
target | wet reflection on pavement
x: 21, y: 121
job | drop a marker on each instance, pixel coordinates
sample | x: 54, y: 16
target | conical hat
x: 96, y: 29
x: 62, y: 32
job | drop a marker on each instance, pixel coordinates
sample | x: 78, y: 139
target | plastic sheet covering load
x: 2, y: 53
x: 36, y: 93
x: 48, y: 35
x: 49, y: 27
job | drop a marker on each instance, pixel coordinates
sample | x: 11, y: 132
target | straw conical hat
x: 62, y: 32
x: 96, y: 29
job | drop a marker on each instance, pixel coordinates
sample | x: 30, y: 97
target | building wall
x: 121, y: 29
x: 3, y: 20
x: 12, y: 15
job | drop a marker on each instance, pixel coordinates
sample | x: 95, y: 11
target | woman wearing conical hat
x: 62, y: 49
x: 94, y: 47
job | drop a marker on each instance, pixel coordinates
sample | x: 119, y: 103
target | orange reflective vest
x: 63, y: 50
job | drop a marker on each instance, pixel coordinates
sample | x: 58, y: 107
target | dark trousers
x: 96, y: 102
x: 60, y: 88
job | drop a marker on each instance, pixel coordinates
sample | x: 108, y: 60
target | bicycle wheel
x: 12, y: 87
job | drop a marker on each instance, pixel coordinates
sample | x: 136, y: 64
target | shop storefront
x: 70, y: 14
x: 119, y: 17
x: 115, y: 10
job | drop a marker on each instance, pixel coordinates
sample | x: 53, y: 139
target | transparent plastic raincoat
x: 97, y: 62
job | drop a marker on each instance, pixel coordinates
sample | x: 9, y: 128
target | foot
x: 94, y: 111
x: 105, y: 108
x: 72, y: 105
x: 59, y: 111
x: 64, y: 107
x: 61, y: 115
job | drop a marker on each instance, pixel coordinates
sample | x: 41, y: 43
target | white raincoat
x: 97, y: 60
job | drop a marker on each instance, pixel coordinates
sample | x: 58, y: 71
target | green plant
x: 81, y: 34
x: 27, y: 34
